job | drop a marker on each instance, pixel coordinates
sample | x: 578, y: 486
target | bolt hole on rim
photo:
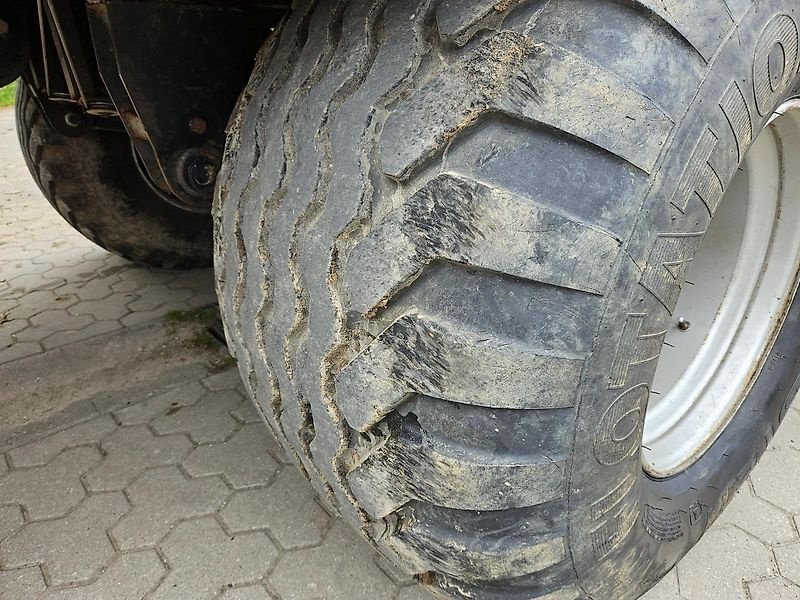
x: 736, y: 293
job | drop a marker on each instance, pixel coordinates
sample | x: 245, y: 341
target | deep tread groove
x: 279, y: 51
x: 702, y: 24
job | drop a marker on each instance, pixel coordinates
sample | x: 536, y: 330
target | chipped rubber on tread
x: 93, y: 182
x: 427, y: 235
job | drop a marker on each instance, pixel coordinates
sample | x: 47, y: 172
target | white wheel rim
x: 735, y: 299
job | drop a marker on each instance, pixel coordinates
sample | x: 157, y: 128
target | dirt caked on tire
x: 91, y: 178
x: 450, y: 241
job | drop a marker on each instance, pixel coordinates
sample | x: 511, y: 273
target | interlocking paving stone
x: 226, y: 380
x: 161, y: 498
x: 51, y: 490
x: 341, y: 568
x: 73, y: 548
x: 48, y: 322
x: 129, y: 577
x: 713, y: 570
x: 778, y: 479
x: 207, y: 420
x: 788, y: 436
x: 173, y: 379
x: 204, y: 560
x: 667, y: 589
x: 94, y: 329
x: 244, y: 460
x: 37, y: 302
x: 758, y: 517
x: 246, y: 412
x: 132, y: 450
x: 163, y: 404
x: 101, y: 310
x: 251, y: 592
x: 91, y: 292
x: 11, y: 520
x: 158, y: 295
x: 10, y: 328
x: 46, y: 449
x: 21, y: 583
x: 286, y: 508
x: 788, y: 558
x: 773, y: 589
x: 20, y: 350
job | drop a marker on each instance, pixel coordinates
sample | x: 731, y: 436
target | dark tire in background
x: 92, y: 180
x: 450, y: 239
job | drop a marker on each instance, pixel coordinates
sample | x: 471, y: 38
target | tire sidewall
x: 626, y: 529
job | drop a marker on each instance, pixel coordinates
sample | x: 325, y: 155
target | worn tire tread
x: 359, y: 348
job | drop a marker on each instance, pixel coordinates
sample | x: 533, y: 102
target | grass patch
x: 200, y: 316
x: 222, y: 364
x: 192, y: 328
x: 7, y: 94
x: 204, y: 340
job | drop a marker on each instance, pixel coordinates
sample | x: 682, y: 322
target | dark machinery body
x: 167, y: 72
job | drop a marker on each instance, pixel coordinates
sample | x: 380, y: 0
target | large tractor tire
x: 457, y: 242
x: 92, y: 179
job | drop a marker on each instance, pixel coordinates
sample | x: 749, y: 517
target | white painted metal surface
x: 735, y: 298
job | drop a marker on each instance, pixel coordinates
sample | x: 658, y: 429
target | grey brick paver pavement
x: 207, y: 420
x: 217, y: 560
x: 167, y: 485
x: 129, y: 452
x: 52, y: 490
x: 772, y: 589
x: 74, y: 548
x: 43, y: 452
x: 788, y: 558
x: 161, y: 498
x: 130, y: 576
x: 326, y: 571
x: 21, y: 583
x: 286, y: 508
x: 251, y: 440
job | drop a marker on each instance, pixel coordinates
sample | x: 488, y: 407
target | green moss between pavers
x: 201, y: 316
x: 7, y: 94
x: 197, y: 322
x: 204, y: 340
x: 222, y: 364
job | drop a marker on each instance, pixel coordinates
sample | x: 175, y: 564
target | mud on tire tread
x: 410, y: 187
x: 92, y: 181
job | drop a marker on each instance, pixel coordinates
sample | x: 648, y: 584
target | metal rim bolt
x: 198, y: 126
x: 201, y: 173
x: 73, y: 119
